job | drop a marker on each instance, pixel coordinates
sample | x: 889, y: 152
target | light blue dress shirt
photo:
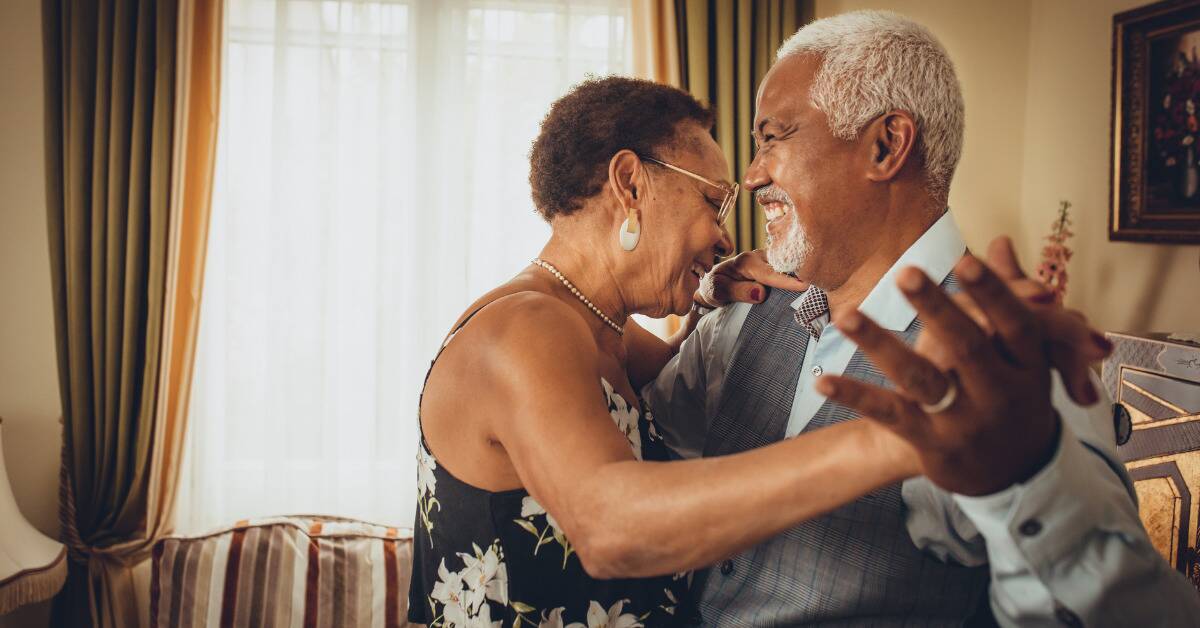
x: 1068, y: 538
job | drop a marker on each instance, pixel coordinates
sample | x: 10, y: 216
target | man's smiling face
x: 808, y: 182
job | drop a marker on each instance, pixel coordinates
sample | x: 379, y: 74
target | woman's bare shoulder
x: 521, y: 321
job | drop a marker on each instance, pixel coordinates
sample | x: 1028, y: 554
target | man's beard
x: 787, y: 255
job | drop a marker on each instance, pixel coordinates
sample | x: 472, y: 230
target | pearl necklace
x: 575, y: 291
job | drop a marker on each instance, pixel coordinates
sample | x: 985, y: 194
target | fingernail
x: 1102, y: 342
x: 910, y: 281
x: 969, y: 269
x: 1043, y: 298
x: 756, y: 295
x: 825, y: 388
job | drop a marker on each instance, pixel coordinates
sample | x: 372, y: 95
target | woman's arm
x: 628, y: 518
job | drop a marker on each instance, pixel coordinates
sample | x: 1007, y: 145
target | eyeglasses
x: 731, y: 193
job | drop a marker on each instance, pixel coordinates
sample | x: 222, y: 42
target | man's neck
x: 866, y: 275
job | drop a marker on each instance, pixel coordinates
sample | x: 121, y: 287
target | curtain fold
x: 116, y: 227
x: 725, y: 49
x: 655, y: 37
x: 198, y: 89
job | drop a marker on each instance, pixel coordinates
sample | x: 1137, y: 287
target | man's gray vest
x: 856, y: 565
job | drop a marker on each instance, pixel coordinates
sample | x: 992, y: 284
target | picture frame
x: 1155, y: 134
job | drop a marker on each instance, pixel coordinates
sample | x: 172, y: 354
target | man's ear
x: 624, y: 178
x: 892, y: 140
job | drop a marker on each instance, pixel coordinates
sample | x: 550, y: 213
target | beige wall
x: 1036, y: 79
x: 1121, y: 286
x: 29, y: 399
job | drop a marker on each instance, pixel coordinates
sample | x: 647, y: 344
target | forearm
x: 656, y: 518
x: 1070, y: 541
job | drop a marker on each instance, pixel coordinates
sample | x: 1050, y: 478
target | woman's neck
x: 592, y: 274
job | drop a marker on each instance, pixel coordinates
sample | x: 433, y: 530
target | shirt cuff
x: 1038, y: 521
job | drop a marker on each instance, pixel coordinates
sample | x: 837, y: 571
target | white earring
x: 631, y: 231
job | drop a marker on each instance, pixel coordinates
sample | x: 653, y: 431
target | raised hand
x: 973, y: 400
x: 743, y: 277
x: 1072, y: 344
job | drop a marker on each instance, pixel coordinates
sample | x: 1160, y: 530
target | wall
x: 1036, y: 79
x: 1121, y: 286
x: 29, y: 399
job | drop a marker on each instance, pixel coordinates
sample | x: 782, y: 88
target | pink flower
x: 1055, y: 255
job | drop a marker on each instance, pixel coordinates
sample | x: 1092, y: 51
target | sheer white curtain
x: 371, y: 182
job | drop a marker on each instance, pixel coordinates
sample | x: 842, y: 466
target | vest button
x: 817, y: 370
x: 726, y: 567
x: 1066, y: 617
x: 1031, y: 527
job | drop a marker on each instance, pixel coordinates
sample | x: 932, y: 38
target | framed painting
x: 1156, y: 124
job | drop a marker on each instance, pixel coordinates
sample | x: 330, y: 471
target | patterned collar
x: 935, y: 252
x: 811, y: 308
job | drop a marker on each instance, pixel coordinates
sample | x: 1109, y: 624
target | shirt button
x: 1031, y: 527
x: 726, y: 567
x: 1066, y: 617
x: 817, y: 370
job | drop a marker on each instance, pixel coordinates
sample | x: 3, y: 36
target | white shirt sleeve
x: 684, y: 396
x: 1067, y: 546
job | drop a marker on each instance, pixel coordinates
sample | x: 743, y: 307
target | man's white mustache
x: 772, y: 194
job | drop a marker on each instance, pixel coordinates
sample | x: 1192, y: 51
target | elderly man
x: 859, y: 129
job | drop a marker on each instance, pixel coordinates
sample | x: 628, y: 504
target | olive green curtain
x: 725, y: 48
x: 654, y: 29
x: 110, y: 100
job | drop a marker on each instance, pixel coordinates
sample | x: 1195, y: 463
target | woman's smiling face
x: 681, y: 229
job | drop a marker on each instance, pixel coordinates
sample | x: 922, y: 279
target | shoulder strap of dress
x: 449, y: 337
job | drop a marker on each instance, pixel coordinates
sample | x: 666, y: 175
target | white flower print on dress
x: 485, y: 576
x: 597, y: 617
x: 448, y: 591
x: 483, y: 619
x: 464, y: 595
x: 553, y: 619
x: 651, y: 430
x: 530, y: 511
x: 426, y: 489
x: 625, y: 416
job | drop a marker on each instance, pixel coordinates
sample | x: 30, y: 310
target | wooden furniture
x: 1155, y: 384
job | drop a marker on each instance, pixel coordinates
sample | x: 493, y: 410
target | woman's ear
x: 624, y: 175
x: 892, y: 138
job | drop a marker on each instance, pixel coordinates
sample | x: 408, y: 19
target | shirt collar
x: 935, y: 252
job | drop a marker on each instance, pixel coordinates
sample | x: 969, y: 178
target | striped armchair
x: 303, y: 571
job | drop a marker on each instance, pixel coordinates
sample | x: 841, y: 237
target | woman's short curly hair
x: 597, y: 118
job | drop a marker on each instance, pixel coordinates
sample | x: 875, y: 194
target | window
x: 371, y: 182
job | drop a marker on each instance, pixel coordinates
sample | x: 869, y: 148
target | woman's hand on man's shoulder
x: 744, y: 278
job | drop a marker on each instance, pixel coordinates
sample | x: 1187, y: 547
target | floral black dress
x: 499, y: 559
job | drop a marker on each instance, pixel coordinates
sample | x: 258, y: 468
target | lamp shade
x: 33, y: 566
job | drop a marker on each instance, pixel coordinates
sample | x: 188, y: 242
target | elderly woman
x: 542, y: 476
x: 545, y: 494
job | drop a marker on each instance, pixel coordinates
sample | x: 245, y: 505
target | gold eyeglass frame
x: 731, y: 194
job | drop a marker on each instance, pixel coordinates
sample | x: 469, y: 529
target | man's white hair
x: 873, y: 62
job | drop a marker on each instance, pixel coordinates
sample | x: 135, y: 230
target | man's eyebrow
x: 759, y: 128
